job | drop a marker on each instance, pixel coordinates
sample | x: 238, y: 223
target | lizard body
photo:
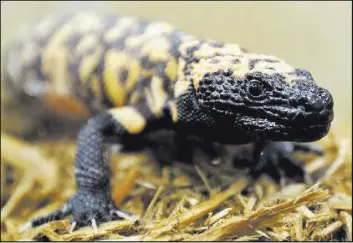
x: 129, y: 77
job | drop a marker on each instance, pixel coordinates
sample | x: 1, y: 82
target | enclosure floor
x: 179, y: 202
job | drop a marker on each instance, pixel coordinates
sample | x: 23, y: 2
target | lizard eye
x: 255, y: 88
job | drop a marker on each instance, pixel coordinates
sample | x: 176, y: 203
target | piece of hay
x: 262, y: 217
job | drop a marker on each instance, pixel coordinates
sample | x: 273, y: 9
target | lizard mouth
x: 279, y: 130
x: 290, y: 117
x: 276, y: 123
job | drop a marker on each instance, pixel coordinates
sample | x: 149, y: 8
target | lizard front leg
x: 92, y: 202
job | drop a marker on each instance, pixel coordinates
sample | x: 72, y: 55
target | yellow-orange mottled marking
x: 172, y: 68
x: 114, y: 62
x: 174, y: 111
x: 130, y: 118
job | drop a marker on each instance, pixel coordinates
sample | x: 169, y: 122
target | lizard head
x: 264, y: 97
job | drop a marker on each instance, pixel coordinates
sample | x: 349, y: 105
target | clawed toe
x: 122, y: 214
x: 116, y: 213
x: 72, y: 227
x: 85, y: 209
x: 94, y: 225
x: 308, y: 148
x: 276, y: 160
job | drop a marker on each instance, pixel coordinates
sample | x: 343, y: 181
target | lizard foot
x: 277, y: 160
x: 86, y: 208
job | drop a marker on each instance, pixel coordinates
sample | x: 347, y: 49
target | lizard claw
x: 25, y: 227
x: 308, y: 148
x: 94, y: 225
x: 122, y: 214
x: 73, y: 225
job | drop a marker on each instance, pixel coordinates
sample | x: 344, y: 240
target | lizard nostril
x: 318, y: 105
x: 315, y: 104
